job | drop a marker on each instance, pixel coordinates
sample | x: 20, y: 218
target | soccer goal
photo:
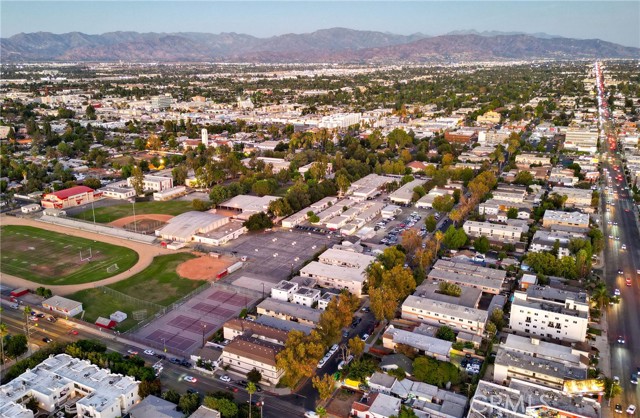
x: 113, y: 268
x: 85, y: 255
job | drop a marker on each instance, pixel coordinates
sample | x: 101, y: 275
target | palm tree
x: 251, y: 389
x: 321, y: 411
x: 600, y: 296
x: 27, y: 312
x: 3, y: 331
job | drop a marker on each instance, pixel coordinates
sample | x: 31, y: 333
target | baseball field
x: 108, y: 214
x: 51, y: 258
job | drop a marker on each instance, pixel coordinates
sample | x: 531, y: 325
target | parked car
x: 631, y: 410
x: 150, y: 352
x: 225, y: 378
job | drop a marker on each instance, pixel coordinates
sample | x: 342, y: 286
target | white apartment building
x: 574, y: 219
x: 513, y: 194
x: 550, y: 313
x: 526, y: 160
x: 161, y: 102
x: 579, y: 198
x: 548, y: 364
x: 433, y: 312
x: 495, y: 232
x: 154, y: 183
x: 544, y: 240
x: 289, y: 311
x: 485, y: 279
x: 61, y: 378
x: 339, y: 120
x: 405, y: 193
x: 306, y: 296
x: 325, y: 299
x: 284, y: 291
x: 368, y: 187
x: 584, y: 140
x: 339, y: 269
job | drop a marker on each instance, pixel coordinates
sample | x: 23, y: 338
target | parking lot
x: 389, y: 232
x: 272, y: 256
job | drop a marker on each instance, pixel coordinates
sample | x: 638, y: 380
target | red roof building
x: 73, y: 196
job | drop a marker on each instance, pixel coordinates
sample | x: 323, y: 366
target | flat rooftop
x: 334, y: 272
x: 422, y: 342
x: 549, y: 307
x: 465, y: 279
x: 469, y: 297
x: 347, y: 258
x: 556, y: 295
x: 445, y: 309
x: 290, y: 309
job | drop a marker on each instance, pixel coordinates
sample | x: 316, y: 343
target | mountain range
x: 336, y: 45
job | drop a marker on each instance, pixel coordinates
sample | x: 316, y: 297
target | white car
x: 321, y: 363
x: 364, y: 337
x: 624, y: 247
x: 616, y: 292
x: 616, y: 380
x: 631, y: 410
x: 333, y: 348
x: 225, y: 378
x: 150, y: 352
x: 311, y: 414
x: 190, y: 379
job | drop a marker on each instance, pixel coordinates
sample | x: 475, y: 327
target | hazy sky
x: 615, y: 21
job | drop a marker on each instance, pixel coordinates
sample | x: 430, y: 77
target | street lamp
x: 204, y: 327
x: 164, y: 347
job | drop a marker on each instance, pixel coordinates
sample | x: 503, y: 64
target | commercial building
x: 550, y: 313
x: 244, y: 354
x: 434, y: 312
x: 161, y: 102
x: 495, y: 232
x: 368, y: 187
x: 584, y: 140
x: 526, y: 399
x: 184, y: 227
x: 221, y: 234
x: 404, y: 194
x: 460, y: 136
x: 573, y: 219
x: 490, y: 118
x: 527, y: 160
x: 68, y: 198
x: 82, y: 388
x: 536, y: 361
x: 62, y: 306
x: 469, y: 275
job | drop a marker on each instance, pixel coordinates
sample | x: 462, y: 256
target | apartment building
x: 237, y: 327
x: 579, y: 198
x: 325, y: 299
x: 544, y: 363
x: 245, y: 353
x: 545, y: 240
x: 573, y: 219
x: 495, y: 232
x: 469, y: 275
x: 434, y: 312
x: 284, y: 290
x: 523, y: 399
x: 527, y: 160
x: 515, y: 194
x: 490, y: 118
x: 60, y: 379
x: 306, y: 296
x: 422, y: 344
x: 550, y: 313
x: 289, y: 311
x: 339, y: 269
x: 404, y: 194
x: 368, y: 186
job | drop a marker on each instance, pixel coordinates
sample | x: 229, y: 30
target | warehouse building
x: 247, y: 205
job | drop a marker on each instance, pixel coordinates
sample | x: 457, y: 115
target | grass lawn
x: 111, y: 213
x: 159, y: 283
x: 51, y: 258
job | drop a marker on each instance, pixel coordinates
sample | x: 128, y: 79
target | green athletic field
x: 108, y: 214
x: 51, y: 258
x: 158, y: 284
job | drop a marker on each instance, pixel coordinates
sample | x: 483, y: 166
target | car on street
x: 634, y: 379
x: 364, y: 337
x: 628, y: 281
x: 624, y: 247
x: 618, y: 408
x: 620, y: 272
x: 311, y: 414
x: 225, y: 378
x: 191, y: 391
x: 631, y: 410
x: 616, y: 380
x: 333, y: 348
x: 150, y: 352
x: 321, y: 363
x: 51, y: 318
x: 132, y: 352
x: 186, y: 364
x: 33, y: 318
x: 47, y: 340
x: 621, y: 339
x: 190, y: 379
x: 160, y: 356
x: 175, y: 360
x: 616, y: 292
x: 40, y: 315
x: 73, y: 332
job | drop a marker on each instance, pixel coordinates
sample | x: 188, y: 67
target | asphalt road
x: 623, y: 319
x: 172, y: 375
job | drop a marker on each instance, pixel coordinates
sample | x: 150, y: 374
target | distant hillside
x: 328, y: 45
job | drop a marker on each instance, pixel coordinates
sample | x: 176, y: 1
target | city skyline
x: 613, y: 21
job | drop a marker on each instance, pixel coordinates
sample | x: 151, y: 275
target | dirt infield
x: 203, y: 268
x: 120, y: 223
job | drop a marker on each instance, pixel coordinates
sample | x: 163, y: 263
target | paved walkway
x: 146, y: 253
